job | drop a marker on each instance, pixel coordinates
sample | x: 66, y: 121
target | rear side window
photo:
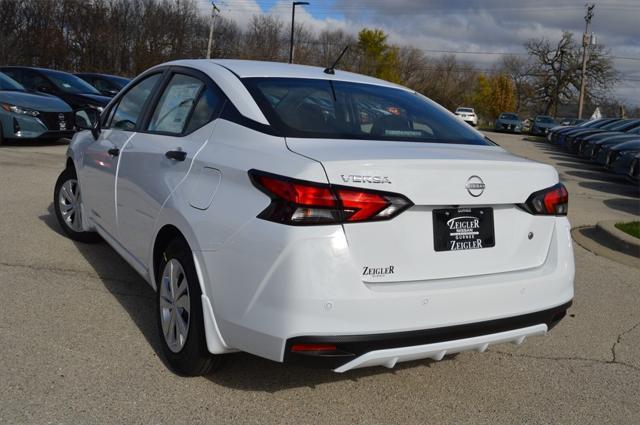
x: 127, y: 112
x: 207, y: 108
x: 175, y: 105
x: 340, y: 110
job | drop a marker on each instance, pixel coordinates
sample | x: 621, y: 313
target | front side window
x: 127, y: 112
x: 340, y: 110
x: 175, y: 105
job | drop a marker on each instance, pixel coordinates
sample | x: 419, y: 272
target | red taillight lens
x: 297, y: 193
x: 551, y: 201
x: 300, y: 202
x: 301, y: 348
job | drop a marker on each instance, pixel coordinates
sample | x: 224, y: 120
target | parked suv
x: 333, y: 220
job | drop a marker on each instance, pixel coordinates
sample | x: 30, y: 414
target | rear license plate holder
x: 458, y: 229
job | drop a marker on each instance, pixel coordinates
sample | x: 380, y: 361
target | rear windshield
x: 313, y: 108
x: 508, y: 116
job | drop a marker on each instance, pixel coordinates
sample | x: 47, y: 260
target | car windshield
x: 508, y: 117
x: 547, y: 120
x: 312, y: 108
x: 466, y: 110
x: 9, y: 84
x: 70, y: 83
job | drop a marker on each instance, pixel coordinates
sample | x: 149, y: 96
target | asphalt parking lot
x: 78, y: 340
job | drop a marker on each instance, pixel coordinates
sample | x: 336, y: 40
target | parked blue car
x: 25, y: 115
x: 541, y: 125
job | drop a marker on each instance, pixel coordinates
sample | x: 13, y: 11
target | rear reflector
x: 299, y: 202
x: 298, y: 348
x: 551, y: 201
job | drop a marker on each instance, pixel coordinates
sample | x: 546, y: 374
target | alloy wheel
x: 175, y: 305
x: 69, y: 204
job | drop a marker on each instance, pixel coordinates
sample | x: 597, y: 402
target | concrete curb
x: 618, y: 239
x: 590, y: 239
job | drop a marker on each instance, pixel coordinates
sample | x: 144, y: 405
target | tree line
x: 125, y: 37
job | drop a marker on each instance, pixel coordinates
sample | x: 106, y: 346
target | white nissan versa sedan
x: 323, y: 218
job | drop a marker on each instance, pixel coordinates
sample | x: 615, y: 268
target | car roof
x: 257, y: 69
x: 38, y: 69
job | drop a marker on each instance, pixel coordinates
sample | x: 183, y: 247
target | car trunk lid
x: 434, y: 176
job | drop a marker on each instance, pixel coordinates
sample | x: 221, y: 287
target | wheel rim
x: 175, y: 305
x: 69, y: 204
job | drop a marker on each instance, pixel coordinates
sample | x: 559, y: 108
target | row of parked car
x: 39, y: 103
x: 540, y: 125
x: 613, y: 143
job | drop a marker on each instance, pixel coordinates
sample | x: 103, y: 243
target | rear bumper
x: 354, y: 351
x: 308, y: 287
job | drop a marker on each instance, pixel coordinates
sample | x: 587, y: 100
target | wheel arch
x: 166, y: 233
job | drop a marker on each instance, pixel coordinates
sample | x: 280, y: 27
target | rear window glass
x: 339, y: 110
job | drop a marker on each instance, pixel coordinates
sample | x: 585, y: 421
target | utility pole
x: 586, y: 40
x: 555, y: 109
x: 293, y: 19
x: 214, y: 12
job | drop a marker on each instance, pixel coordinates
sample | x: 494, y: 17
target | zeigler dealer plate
x: 456, y: 229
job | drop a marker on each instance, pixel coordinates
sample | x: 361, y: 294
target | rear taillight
x: 551, y: 201
x: 299, y: 202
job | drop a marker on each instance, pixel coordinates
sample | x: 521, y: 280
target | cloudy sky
x: 472, y: 26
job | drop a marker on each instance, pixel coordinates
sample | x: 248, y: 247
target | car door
x: 157, y: 159
x: 101, y: 157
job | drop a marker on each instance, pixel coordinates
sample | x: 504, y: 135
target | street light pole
x: 585, y: 45
x: 214, y: 9
x: 293, y: 19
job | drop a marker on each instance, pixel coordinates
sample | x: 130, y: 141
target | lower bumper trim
x: 349, y: 348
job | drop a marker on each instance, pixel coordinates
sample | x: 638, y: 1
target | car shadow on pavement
x: 245, y: 372
x: 598, y: 175
x: 630, y: 206
x: 120, y: 280
x: 241, y: 371
x: 620, y: 189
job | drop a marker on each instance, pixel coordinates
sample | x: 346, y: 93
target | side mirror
x: 88, y: 119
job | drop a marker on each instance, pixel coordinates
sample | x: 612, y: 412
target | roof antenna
x: 332, y: 69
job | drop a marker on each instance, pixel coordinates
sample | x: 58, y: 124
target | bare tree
x: 556, y: 71
x: 519, y: 70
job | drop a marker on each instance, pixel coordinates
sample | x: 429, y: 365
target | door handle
x: 114, y: 151
x: 176, y: 155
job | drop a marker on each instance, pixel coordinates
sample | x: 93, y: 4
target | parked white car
x: 467, y: 115
x: 326, y: 219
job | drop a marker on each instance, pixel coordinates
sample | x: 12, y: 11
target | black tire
x: 193, y: 359
x: 1, y: 136
x: 80, y: 236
